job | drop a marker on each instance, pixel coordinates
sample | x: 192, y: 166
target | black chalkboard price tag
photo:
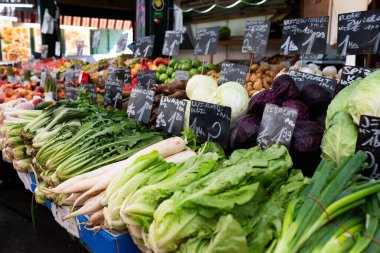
x: 233, y: 72
x: 351, y: 73
x: 210, y: 122
x: 304, y: 35
x: 256, y: 35
x: 182, y: 75
x: 171, y: 43
x: 90, y: 88
x: 144, y: 46
x: 359, y: 32
x: 302, y: 79
x: 140, y: 104
x: 276, y: 126
x: 71, y: 93
x: 206, y: 41
x: 171, y: 114
x: 369, y: 141
x: 113, y: 94
x: 146, y: 78
x: 127, y: 76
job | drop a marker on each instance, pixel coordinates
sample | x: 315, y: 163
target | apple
x: 153, y: 67
x: 158, y: 61
x: 133, y: 72
x: 166, y: 61
x: 143, y: 67
x: 22, y: 92
x: 137, y: 66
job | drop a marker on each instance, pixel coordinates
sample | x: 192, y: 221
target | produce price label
x: 181, y: 75
x: 359, y: 32
x: 303, y: 79
x: 144, y: 46
x: 127, y: 76
x: 172, y: 42
x: 369, y: 141
x: 171, y: 114
x: 206, y: 41
x: 70, y: 225
x: 80, y: 46
x: 233, y: 72
x: 140, y: 104
x: 96, y: 39
x: 304, y: 36
x: 210, y: 122
x: 113, y: 94
x: 71, y: 93
x: 90, y: 88
x: 44, y: 51
x: 351, y: 73
x: 146, y: 78
x: 256, y: 35
x: 122, y: 42
x: 277, y: 126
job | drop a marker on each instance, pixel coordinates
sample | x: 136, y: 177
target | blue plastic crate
x: 105, y: 242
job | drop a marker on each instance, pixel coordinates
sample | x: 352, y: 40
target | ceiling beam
x: 120, y: 5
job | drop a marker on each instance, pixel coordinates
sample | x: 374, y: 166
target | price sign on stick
x: 181, y: 75
x: 71, y: 93
x: 233, y: 72
x: 303, y: 79
x: 113, y: 93
x: 80, y: 46
x: 146, y: 78
x: 276, y: 126
x: 304, y: 36
x: 171, y: 113
x: 351, y: 73
x: 144, y: 46
x: 122, y: 42
x: 256, y: 35
x: 96, y: 39
x: 140, y: 104
x: 359, y: 32
x: 369, y: 141
x: 90, y: 88
x: 206, y: 41
x: 171, y: 43
x: 210, y: 122
x: 44, y: 51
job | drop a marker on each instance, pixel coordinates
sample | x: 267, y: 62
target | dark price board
x: 256, y: 35
x: 302, y: 79
x: 304, y: 36
x: 369, y: 141
x: 144, y: 46
x: 171, y: 113
x: 71, y: 93
x: 140, y: 104
x: 210, y: 122
x: 181, y: 75
x: 206, y: 41
x: 277, y: 126
x: 113, y: 93
x: 233, y: 72
x: 172, y: 42
x: 146, y: 78
x: 122, y: 42
x: 351, y: 73
x: 122, y: 74
x: 359, y: 32
x: 90, y: 88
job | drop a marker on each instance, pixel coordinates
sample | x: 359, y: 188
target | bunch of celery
x: 331, y: 193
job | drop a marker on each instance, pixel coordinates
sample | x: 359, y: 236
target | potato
x: 251, y: 92
x: 258, y: 85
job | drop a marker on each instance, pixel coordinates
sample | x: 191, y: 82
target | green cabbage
x: 365, y: 98
x: 341, y: 101
x: 339, y: 140
x: 233, y: 95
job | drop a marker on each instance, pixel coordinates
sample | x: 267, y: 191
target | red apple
x: 143, y: 67
x: 39, y: 89
x: 153, y: 67
x: 158, y: 61
x: 166, y: 61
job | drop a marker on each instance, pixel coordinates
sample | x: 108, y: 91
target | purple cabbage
x: 244, y: 133
x: 320, y: 119
x: 285, y: 87
x: 316, y: 98
x: 305, y: 146
x: 258, y: 102
x: 303, y: 111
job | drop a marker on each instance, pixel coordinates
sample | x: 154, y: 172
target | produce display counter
x: 102, y: 241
